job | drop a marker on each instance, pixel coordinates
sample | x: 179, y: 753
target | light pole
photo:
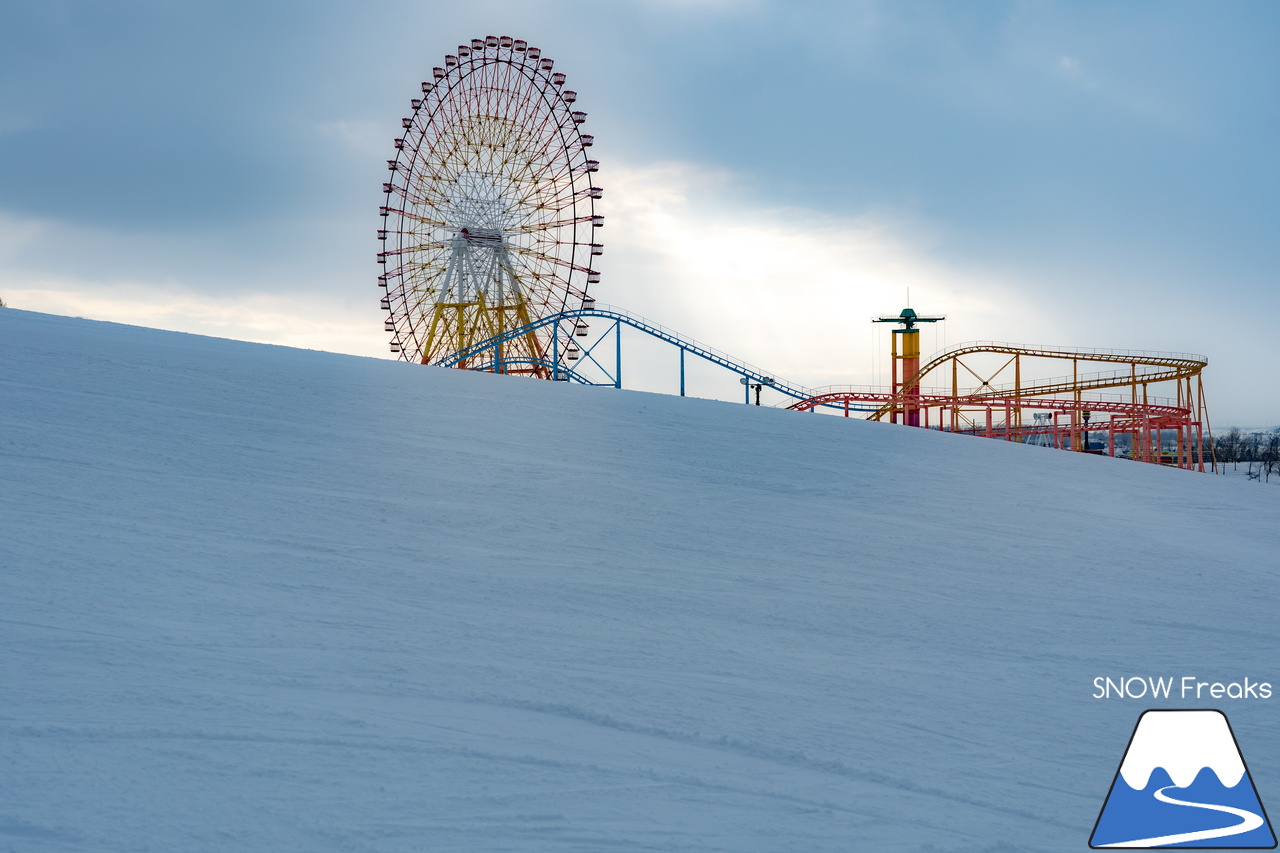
x: 757, y: 386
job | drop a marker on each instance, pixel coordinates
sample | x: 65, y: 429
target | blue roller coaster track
x: 487, y: 354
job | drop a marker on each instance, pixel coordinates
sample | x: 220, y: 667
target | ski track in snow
x: 256, y: 598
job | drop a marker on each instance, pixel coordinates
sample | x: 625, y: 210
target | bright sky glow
x: 775, y: 173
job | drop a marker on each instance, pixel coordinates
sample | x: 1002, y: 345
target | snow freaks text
x: 1186, y: 687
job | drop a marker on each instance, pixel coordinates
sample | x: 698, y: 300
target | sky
x: 775, y: 174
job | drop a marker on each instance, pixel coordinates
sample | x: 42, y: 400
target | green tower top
x: 908, y: 318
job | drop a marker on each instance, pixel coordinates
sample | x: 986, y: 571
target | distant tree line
x: 1259, y: 450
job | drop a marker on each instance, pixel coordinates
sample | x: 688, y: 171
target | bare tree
x: 1269, y: 453
x: 1229, y: 445
x: 1250, y: 454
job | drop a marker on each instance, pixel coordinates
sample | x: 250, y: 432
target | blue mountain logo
x: 1183, y: 783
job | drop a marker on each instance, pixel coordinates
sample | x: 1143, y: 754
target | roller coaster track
x: 618, y: 315
x: 1134, y: 410
x: 1143, y: 416
x: 1155, y: 367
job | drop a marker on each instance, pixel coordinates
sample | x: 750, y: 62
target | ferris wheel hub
x: 483, y: 236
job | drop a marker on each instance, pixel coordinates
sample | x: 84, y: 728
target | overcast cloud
x: 774, y: 173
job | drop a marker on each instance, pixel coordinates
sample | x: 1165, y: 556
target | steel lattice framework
x: 992, y: 398
x: 490, y: 213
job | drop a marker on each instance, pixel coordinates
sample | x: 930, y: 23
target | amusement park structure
x: 905, y: 359
x: 999, y: 390
x: 488, y: 243
x: 489, y: 218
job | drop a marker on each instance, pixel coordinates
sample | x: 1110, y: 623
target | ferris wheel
x: 489, y: 218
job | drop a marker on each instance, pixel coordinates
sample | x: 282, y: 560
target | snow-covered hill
x: 255, y: 598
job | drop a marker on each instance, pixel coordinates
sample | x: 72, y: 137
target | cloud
x: 706, y: 5
x: 791, y: 290
x: 335, y: 326
x: 17, y: 234
x: 365, y: 138
x: 312, y: 285
x: 788, y: 289
x: 1070, y: 68
x: 11, y: 123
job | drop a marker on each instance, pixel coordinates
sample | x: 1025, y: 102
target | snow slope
x: 255, y: 598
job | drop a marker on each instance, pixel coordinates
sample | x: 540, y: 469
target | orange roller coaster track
x: 983, y: 389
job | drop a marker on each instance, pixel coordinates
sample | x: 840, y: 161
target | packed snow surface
x: 263, y: 599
